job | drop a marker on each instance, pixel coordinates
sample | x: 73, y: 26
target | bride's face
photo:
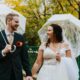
x: 50, y: 32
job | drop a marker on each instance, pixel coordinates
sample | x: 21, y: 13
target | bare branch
x: 60, y: 5
x: 35, y: 13
x: 72, y: 5
x: 76, y: 2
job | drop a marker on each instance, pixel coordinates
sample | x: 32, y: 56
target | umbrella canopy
x: 4, y: 10
x: 71, y: 30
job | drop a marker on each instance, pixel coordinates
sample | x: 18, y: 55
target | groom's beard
x: 14, y: 28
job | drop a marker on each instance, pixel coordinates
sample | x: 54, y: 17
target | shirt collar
x: 8, y: 33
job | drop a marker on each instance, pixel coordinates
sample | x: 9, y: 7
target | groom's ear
x: 8, y: 21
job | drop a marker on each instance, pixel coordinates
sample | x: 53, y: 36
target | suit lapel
x: 15, y: 38
x: 4, y: 34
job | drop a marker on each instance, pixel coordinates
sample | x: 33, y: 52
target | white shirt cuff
x: 3, y: 54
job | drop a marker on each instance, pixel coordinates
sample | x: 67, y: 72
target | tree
x: 38, y: 11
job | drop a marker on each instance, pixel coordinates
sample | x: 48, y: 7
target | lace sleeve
x: 42, y: 46
x: 69, y: 47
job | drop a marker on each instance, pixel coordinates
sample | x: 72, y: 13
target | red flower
x: 19, y: 43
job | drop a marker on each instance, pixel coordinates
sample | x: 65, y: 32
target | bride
x: 54, y: 60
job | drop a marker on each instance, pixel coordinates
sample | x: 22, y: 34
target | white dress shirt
x: 8, y: 34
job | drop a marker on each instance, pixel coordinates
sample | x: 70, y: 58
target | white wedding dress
x: 52, y: 69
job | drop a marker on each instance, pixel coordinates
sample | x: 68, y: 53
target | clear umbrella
x: 4, y: 10
x: 71, y: 30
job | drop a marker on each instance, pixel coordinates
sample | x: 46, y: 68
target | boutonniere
x: 19, y: 43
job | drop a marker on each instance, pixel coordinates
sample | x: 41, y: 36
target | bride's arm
x: 38, y: 62
x: 68, y: 50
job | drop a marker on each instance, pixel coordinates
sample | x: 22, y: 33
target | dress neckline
x: 52, y: 50
x: 56, y: 51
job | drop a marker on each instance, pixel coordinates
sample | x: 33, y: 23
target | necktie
x: 10, y: 38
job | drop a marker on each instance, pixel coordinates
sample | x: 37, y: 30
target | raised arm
x: 68, y: 50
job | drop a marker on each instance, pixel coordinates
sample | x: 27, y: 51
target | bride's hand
x: 58, y: 57
x: 34, y: 76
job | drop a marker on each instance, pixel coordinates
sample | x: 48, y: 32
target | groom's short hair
x: 10, y: 16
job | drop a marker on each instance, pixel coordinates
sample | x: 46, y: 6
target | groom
x: 11, y: 63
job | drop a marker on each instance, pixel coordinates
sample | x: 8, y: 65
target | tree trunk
x: 79, y: 9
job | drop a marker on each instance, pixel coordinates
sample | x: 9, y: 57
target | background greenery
x: 38, y: 11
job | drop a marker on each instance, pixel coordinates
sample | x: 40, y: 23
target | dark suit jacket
x: 14, y: 62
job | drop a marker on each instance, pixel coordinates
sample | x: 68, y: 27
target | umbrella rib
x: 2, y: 33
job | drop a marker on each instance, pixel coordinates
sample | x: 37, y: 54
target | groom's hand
x: 6, y: 50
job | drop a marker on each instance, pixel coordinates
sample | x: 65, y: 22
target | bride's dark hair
x: 57, y: 30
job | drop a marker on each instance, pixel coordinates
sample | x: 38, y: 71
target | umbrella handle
x: 14, y: 49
